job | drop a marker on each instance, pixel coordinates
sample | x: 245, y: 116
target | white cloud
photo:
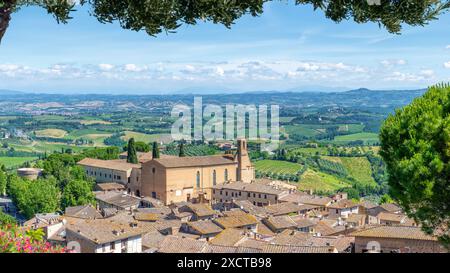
x: 106, y: 67
x: 447, y: 64
x: 135, y: 68
x: 447, y: 47
x: 393, y: 62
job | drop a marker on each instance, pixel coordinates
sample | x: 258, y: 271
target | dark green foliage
x: 155, y: 150
x: 31, y: 197
x: 140, y: 147
x: 115, y: 140
x: 6, y: 219
x: 3, y: 180
x: 415, y: 144
x: 157, y: 16
x: 77, y: 193
x: 131, y: 150
x: 181, y: 150
x: 191, y: 150
x: 331, y: 167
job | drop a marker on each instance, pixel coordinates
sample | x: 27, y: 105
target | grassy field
x: 146, y: 137
x: 92, y: 122
x: 312, y: 180
x: 368, y: 138
x: 357, y: 167
x: 11, y: 162
x: 279, y: 167
x: 303, y: 130
x: 53, y: 133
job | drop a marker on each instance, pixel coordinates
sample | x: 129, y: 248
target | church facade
x: 178, y: 179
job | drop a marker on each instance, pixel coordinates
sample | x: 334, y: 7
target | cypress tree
x: 155, y: 151
x: 132, y: 156
x: 181, y: 154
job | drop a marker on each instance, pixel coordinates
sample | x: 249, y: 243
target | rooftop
x: 118, y: 199
x: 84, y: 212
x: 194, y: 161
x: 174, y: 244
x: 101, y: 231
x: 108, y: 164
x: 280, y: 222
x: 112, y: 186
x: 272, y: 248
x: 249, y: 187
x: 397, y: 232
x: 236, y: 221
x: 204, y: 227
x: 228, y: 237
x: 282, y: 208
x: 342, y: 204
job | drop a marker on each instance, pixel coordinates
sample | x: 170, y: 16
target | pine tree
x: 181, y: 154
x: 132, y: 156
x: 155, y: 151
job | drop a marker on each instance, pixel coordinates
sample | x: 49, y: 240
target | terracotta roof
x: 309, y: 200
x: 230, y: 249
x: 151, y: 240
x: 194, y: 161
x: 342, y: 204
x: 296, y: 238
x: 271, y: 248
x: 323, y: 228
x: 236, y: 221
x: 248, y: 207
x: 282, y: 208
x: 201, y: 210
x: 101, y: 231
x: 118, y: 199
x: 302, y: 222
x: 353, y: 218
x: 291, y: 237
x: 279, y: 222
x: 390, y: 207
x: 392, y: 217
x: 398, y: 232
x: 144, y: 157
x: 108, y: 164
x: 142, y: 216
x: 228, y: 237
x: 204, y: 227
x: 109, y: 186
x: 249, y: 187
x: 252, y: 243
x: 263, y: 229
x: 173, y: 244
x: 367, y: 204
x: 84, y: 212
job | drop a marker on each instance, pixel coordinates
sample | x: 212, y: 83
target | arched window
x: 198, y: 179
x: 226, y: 175
x: 214, y: 177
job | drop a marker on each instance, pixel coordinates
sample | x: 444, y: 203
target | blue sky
x: 288, y: 48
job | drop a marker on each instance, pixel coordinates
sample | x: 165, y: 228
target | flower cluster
x: 14, y: 240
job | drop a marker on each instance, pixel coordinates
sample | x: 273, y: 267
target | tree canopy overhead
x: 415, y: 144
x: 157, y: 16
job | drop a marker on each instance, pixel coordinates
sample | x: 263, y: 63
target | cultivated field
x: 313, y: 180
x: 278, y: 167
x: 53, y: 133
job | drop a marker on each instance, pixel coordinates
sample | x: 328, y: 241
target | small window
x: 226, y: 174
x: 198, y: 179
x: 153, y: 170
x: 214, y: 178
